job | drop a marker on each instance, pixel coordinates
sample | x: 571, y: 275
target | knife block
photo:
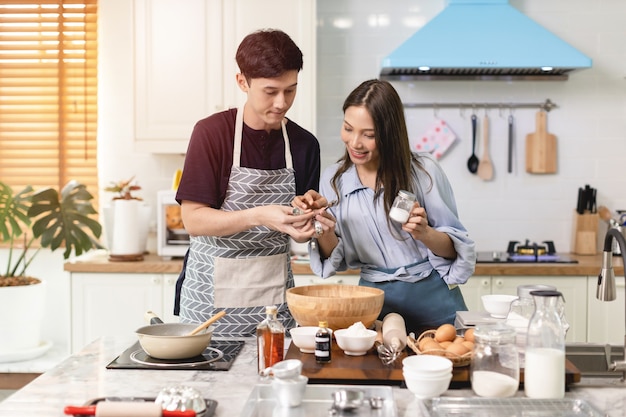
x: 585, y: 233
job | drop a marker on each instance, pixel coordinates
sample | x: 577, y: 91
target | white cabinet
x: 573, y: 288
x: 345, y: 279
x: 606, y: 318
x: 115, y: 304
x: 185, y: 62
x: 473, y: 289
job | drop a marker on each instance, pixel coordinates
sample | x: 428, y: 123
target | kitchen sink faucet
x: 606, y: 283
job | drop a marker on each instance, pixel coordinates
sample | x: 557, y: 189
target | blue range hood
x: 483, y: 40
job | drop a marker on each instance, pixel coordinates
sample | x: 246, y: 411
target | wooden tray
x: 368, y: 369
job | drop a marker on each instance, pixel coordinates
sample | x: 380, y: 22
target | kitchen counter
x: 83, y: 377
x: 588, y: 265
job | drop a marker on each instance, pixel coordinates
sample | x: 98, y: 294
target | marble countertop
x: 83, y: 376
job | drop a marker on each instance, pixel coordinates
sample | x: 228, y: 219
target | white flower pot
x: 21, y: 317
x: 126, y: 225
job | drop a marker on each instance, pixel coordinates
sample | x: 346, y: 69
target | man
x: 242, y: 169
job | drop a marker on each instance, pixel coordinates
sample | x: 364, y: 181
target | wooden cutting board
x: 541, y: 148
x: 368, y: 369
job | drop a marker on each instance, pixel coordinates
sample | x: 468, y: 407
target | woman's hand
x: 311, y: 200
x: 438, y: 242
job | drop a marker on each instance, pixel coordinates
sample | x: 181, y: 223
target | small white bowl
x: 427, y: 364
x: 355, y: 344
x: 424, y: 388
x: 498, y: 305
x: 304, y: 338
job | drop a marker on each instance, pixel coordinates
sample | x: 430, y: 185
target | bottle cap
x: 323, y: 323
x: 271, y: 309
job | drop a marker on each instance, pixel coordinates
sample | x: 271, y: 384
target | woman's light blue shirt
x: 367, y: 243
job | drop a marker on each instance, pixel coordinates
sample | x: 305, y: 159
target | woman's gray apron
x: 244, y: 272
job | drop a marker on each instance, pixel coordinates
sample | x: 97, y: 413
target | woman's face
x: 357, y: 133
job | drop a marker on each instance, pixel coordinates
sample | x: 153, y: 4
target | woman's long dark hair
x: 383, y: 104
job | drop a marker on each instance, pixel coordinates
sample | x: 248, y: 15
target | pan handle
x: 152, y: 318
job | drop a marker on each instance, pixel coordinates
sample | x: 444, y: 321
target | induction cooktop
x: 219, y: 356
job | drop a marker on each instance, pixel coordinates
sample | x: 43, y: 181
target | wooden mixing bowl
x: 340, y: 305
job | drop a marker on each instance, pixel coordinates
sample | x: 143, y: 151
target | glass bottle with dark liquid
x: 270, y: 335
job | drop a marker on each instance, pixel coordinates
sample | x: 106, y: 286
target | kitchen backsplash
x: 589, y: 123
x: 354, y: 35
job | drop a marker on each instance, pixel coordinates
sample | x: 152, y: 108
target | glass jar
x: 402, y: 206
x: 494, y: 370
x: 524, y: 305
x: 544, y: 372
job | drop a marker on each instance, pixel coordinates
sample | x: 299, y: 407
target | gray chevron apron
x: 244, y: 272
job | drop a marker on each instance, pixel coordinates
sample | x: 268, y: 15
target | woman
x: 419, y: 263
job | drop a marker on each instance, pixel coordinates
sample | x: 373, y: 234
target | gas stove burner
x: 209, y: 355
x: 531, y: 249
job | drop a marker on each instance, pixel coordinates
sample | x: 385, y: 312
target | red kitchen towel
x: 437, y: 139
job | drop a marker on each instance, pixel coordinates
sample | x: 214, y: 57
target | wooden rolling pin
x: 394, y: 332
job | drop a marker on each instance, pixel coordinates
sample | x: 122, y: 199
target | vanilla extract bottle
x: 323, y: 343
x: 270, y: 335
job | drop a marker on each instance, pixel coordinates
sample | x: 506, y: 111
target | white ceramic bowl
x: 498, y: 305
x: 425, y: 375
x: 424, y: 388
x: 304, y: 338
x: 353, y: 344
x: 427, y: 364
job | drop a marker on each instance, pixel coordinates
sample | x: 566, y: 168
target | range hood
x: 482, y: 40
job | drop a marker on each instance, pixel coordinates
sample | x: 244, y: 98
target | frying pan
x: 173, y: 340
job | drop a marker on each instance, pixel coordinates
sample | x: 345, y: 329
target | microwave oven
x: 172, y: 238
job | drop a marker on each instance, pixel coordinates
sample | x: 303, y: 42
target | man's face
x: 268, y: 99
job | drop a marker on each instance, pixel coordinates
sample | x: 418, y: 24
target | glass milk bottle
x: 494, y: 370
x: 402, y: 205
x: 544, y: 372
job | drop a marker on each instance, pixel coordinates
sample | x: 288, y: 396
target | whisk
x: 387, y: 354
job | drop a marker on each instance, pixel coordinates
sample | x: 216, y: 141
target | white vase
x: 126, y: 225
x: 21, y: 317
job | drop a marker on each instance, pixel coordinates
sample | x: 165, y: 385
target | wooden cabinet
x: 185, y: 63
x: 573, y: 288
x: 115, y: 304
x: 606, y: 318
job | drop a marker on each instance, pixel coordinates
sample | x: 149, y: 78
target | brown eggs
x: 445, y: 332
x: 457, y: 348
x: 469, y: 335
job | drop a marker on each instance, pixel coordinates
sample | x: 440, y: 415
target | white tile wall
x: 590, y: 123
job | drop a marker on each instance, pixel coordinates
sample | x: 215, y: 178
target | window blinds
x: 48, y: 93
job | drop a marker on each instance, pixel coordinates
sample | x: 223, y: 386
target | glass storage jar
x: 494, y: 370
x: 402, y: 205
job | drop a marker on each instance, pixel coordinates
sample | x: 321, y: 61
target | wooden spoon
x: 485, y: 167
x: 207, y: 323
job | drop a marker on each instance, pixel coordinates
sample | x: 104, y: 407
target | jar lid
x: 406, y: 194
x: 546, y: 293
x: 523, y: 291
x: 271, y: 309
x: 495, y: 333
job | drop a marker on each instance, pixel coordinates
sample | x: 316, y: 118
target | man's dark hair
x: 268, y: 53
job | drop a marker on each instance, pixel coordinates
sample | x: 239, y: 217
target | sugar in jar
x: 494, y: 370
x: 402, y: 205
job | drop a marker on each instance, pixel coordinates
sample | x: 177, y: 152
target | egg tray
x: 457, y: 360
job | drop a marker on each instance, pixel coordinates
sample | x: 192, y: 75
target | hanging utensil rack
x: 546, y: 105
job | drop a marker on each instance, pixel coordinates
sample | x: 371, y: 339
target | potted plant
x: 127, y: 220
x: 54, y: 220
